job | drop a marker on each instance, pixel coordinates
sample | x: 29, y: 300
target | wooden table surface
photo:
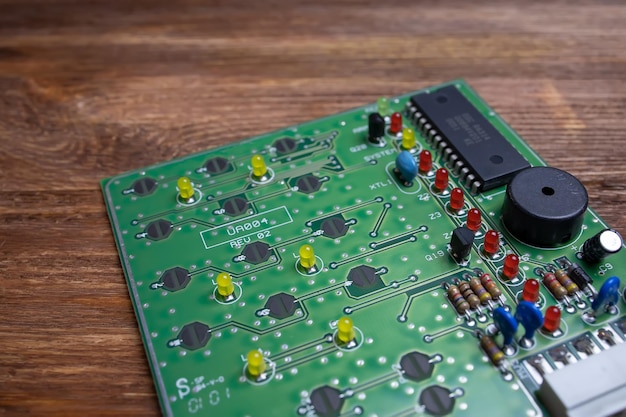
x: 92, y: 89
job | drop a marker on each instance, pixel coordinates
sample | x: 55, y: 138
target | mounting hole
x: 547, y: 191
x: 496, y: 159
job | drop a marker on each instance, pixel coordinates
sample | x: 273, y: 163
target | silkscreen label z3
x: 412, y: 257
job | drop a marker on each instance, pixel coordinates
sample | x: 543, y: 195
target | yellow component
x: 408, y: 138
x: 485, y: 297
x: 225, y: 286
x: 492, y: 350
x: 258, y: 166
x: 307, y: 256
x: 256, y: 363
x: 345, y: 330
x: 185, y: 188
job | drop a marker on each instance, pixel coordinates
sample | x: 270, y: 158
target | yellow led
x: 345, y: 330
x: 258, y: 166
x: 256, y: 363
x: 225, y: 286
x: 307, y: 256
x: 185, y: 188
x: 408, y: 138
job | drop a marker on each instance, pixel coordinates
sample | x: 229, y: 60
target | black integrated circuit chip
x: 482, y: 157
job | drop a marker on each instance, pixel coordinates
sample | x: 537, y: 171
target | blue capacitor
x: 530, y: 316
x: 406, y: 168
x: 506, y: 324
x: 607, y: 296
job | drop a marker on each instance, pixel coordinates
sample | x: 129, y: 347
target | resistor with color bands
x: 456, y: 298
x: 566, y: 281
x: 553, y: 284
x: 494, y: 353
x: 468, y: 294
x: 490, y: 286
x: 479, y: 290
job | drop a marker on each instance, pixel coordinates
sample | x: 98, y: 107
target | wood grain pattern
x: 92, y: 89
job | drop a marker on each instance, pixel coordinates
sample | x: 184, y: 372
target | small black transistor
x: 376, y: 129
x: 461, y: 243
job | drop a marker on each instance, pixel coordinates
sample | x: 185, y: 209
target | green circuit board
x: 324, y: 227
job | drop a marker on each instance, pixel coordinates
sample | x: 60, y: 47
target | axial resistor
x: 456, y: 298
x: 553, y: 284
x: 494, y: 353
x: 490, y: 286
x: 468, y: 294
x: 479, y: 290
x: 566, y: 281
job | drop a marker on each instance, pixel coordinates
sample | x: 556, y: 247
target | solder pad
x: 381, y: 259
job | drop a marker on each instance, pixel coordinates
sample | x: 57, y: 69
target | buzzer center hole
x: 547, y: 191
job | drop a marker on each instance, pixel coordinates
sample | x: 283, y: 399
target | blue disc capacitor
x: 607, y: 296
x: 406, y: 168
x: 506, y: 324
x: 531, y: 318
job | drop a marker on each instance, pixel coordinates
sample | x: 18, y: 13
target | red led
x: 511, y: 266
x: 474, y: 219
x: 552, y: 319
x: 457, y: 199
x: 426, y: 161
x: 441, y: 179
x: 491, y: 245
x: 396, y: 123
x: 531, y: 290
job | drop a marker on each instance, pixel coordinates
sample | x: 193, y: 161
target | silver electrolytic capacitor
x: 598, y: 247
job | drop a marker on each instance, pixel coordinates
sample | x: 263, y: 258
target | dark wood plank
x: 91, y: 89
